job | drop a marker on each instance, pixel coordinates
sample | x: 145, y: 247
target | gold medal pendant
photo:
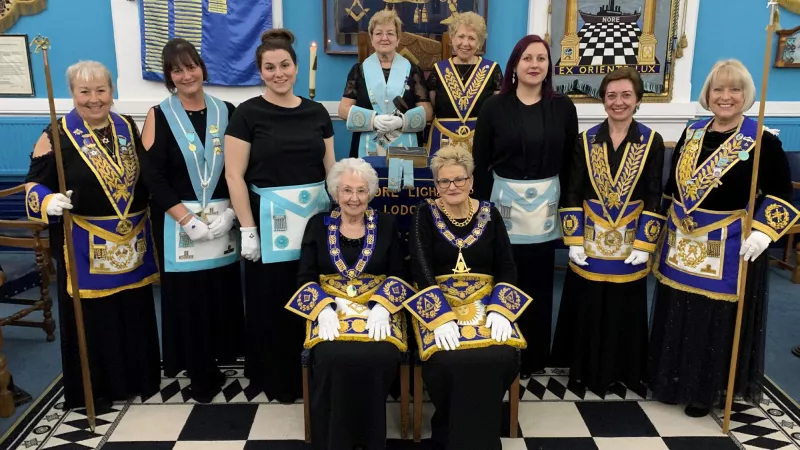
x: 461, y: 265
x: 351, y: 290
x: 124, y: 226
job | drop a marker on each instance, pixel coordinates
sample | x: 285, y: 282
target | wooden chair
x: 786, y: 262
x: 25, y: 234
x: 420, y: 50
x: 305, y: 361
x: 513, y: 401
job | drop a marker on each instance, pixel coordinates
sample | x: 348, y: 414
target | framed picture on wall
x: 344, y: 19
x: 16, y: 75
x: 788, y: 54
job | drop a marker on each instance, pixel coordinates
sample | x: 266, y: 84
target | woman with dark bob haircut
x: 522, y: 138
x: 201, y: 295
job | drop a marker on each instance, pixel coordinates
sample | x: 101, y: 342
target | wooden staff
x: 748, y: 220
x: 42, y: 43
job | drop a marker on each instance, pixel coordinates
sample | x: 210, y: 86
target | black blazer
x: 499, y: 144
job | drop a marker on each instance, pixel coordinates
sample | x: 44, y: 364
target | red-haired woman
x: 521, y: 138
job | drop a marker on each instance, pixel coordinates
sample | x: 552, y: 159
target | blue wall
x: 78, y: 29
x: 727, y: 31
x: 508, y: 22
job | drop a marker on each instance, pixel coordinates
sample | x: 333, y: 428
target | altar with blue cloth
x: 401, y: 204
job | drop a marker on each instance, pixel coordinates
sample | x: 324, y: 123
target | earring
x: 514, y: 78
x: 472, y: 191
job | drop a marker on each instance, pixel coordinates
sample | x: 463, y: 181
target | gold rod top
x: 41, y: 43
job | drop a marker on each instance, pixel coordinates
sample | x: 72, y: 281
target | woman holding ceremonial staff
x: 278, y: 148
x: 463, y: 265
x: 611, y: 223
x: 368, y: 103
x: 111, y: 232
x: 192, y: 221
x: 458, y: 86
x: 522, y: 138
x: 701, y: 257
x: 351, y: 293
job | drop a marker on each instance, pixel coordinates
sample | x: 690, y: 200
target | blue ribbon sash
x: 284, y: 212
x: 198, y: 157
x: 117, y: 170
x: 614, y: 190
x: 464, y: 95
x: 108, y: 262
x: 529, y: 208
x: 181, y: 254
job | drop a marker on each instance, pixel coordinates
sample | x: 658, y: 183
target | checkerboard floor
x: 554, y: 415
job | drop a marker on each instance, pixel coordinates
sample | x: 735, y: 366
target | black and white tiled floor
x: 553, y: 416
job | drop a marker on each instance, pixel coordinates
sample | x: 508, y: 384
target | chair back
x: 420, y: 50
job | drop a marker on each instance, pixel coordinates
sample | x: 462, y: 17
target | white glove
x: 58, y: 203
x: 754, y: 245
x: 222, y: 224
x: 446, y: 335
x: 328, y: 322
x: 378, y: 323
x: 197, y: 230
x: 387, y: 122
x: 341, y: 304
x: 251, y: 244
x: 578, y: 255
x: 637, y: 257
x: 500, y: 326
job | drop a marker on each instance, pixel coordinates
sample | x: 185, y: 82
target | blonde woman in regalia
x: 466, y: 308
x: 700, y: 262
x: 458, y: 86
x: 113, y: 246
x: 351, y: 293
x: 611, y: 222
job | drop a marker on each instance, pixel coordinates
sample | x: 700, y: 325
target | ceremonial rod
x: 42, y: 43
x: 748, y: 220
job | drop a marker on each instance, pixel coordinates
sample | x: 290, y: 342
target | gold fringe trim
x: 424, y: 355
x: 610, y: 278
x: 401, y: 344
x: 693, y: 290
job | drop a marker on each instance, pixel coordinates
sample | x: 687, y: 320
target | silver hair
x: 452, y: 155
x: 86, y: 71
x: 356, y: 166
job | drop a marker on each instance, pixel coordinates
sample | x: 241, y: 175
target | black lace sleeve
x: 774, y: 177
x: 577, y: 177
x: 417, y: 84
x: 396, y: 261
x: 671, y: 188
x: 351, y: 87
x: 496, y: 80
x: 432, y: 82
x: 505, y: 270
x: 309, y: 269
x: 653, y: 170
x: 155, y: 164
x: 43, y: 168
x: 421, y: 241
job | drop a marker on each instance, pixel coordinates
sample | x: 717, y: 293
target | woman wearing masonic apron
x: 113, y: 245
x: 278, y: 148
x: 201, y: 298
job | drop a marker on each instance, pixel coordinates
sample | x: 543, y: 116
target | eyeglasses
x: 380, y: 34
x: 444, y: 183
x: 349, y: 192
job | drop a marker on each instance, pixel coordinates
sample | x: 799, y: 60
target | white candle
x: 312, y: 77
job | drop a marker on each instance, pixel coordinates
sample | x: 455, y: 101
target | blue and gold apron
x: 701, y: 251
x: 609, y: 229
x: 465, y: 297
x: 382, y: 93
x: 284, y: 212
x: 352, y: 291
x: 462, y: 96
x: 181, y: 254
x: 113, y: 253
x: 529, y: 208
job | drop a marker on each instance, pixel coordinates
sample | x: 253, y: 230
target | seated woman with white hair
x: 701, y: 259
x: 111, y: 231
x: 352, y: 293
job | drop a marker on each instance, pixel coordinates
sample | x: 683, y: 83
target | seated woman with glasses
x: 352, y: 293
x: 462, y: 263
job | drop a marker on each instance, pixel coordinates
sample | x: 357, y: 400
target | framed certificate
x: 16, y: 76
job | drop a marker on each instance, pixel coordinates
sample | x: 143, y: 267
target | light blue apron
x: 284, y: 213
x: 529, y: 208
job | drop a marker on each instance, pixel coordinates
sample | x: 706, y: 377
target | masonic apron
x: 528, y: 208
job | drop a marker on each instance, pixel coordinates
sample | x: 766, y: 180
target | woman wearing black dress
x: 368, y: 101
x: 278, y: 147
x: 192, y: 221
x: 458, y: 86
x: 112, y: 237
x: 522, y: 139
x: 352, y: 293
x: 699, y: 263
x: 462, y: 263
x: 611, y: 222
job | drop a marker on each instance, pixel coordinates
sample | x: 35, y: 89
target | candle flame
x: 313, y: 44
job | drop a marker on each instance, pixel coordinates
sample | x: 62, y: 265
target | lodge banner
x: 225, y: 32
x: 592, y: 38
